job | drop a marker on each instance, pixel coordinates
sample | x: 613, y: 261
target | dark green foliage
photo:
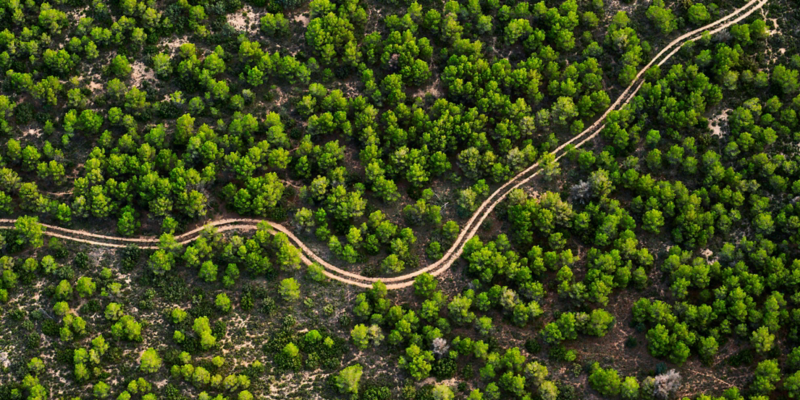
x: 33, y: 340
x: 743, y: 357
x: 219, y: 329
x: 557, y: 353
x: 374, y: 392
x: 81, y: 261
x: 278, y: 340
x: 172, y: 288
x: 24, y: 113
x: 202, y: 305
x: 50, y: 327
x: 91, y: 306
x: 171, y: 392
x: 323, y: 355
x: 290, y: 4
x: 425, y: 393
x: 268, y: 306
x: 444, y: 368
x: 65, y: 355
x: 129, y: 257
x: 17, y: 314
x: 533, y: 346
x: 568, y: 392
x: 246, y: 302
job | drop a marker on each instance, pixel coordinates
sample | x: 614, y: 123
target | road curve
x: 472, y: 225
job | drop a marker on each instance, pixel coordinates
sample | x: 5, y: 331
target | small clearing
x: 435, y: 89
x: 32, y: 132
x: 141, y: 73
x: 175, y: 43
x: 245, y: 20
x: 301, y: 18
x: 718, y: 121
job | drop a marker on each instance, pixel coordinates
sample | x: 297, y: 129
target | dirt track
x: 471, y: 227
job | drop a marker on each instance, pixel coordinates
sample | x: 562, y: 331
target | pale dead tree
x: 440, y: 347
x: 581, y: 191
x: 666, y: 384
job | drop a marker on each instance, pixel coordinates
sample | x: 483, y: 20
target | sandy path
x: 474, y: 223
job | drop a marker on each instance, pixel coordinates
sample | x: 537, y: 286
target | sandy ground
x: 141, y: 73
x: 174, y: 44
x: 301, y: 18
x: 719, y: 123
x: 78, y: 13
x: 32, y: 132
x: 435, y: 89
x: 245, y: 20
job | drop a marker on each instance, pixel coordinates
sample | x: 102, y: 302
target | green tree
x: 201, y: 327
x: 629, y: 389
x: 360, y: 336
x: 425, y: 285
x: 786, y: 78
x: 223, y: 302
x: 459, y: 309
x: 289, y: 290
x: 762, y: 340
x: 708, y: 348
x: 127, y: 224
x: 658, y: 341
x: 661, y: 17
x: 161, y: 262
x: 63, y: 290
x: 417, y: 362
x: 698, y: 14
x: 792, y: 385
x: 392, y: 87
x: 600, y: 321
x: 548, y: 390
x: 208, y: 271
x: 85, y: 286
x: 450, y: 230
x: 288, y: 256
x: 393, y: 263
x: 30, y: 231
x: 550, y: 167
x: 274, y: 24
x: 348, y: 379
x: 127, y: 327
x: 113, y: 311
x: 101, y: 390
x: 36, y: 365
x: 150, y: 361
x: 443, y: 392
x: 605, y: 381
x: 652, y: 221
x: 767, y: 375
x: 61, y: 308
x: 120, y: 67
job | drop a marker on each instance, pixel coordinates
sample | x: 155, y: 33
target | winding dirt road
x: 472, y: 225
